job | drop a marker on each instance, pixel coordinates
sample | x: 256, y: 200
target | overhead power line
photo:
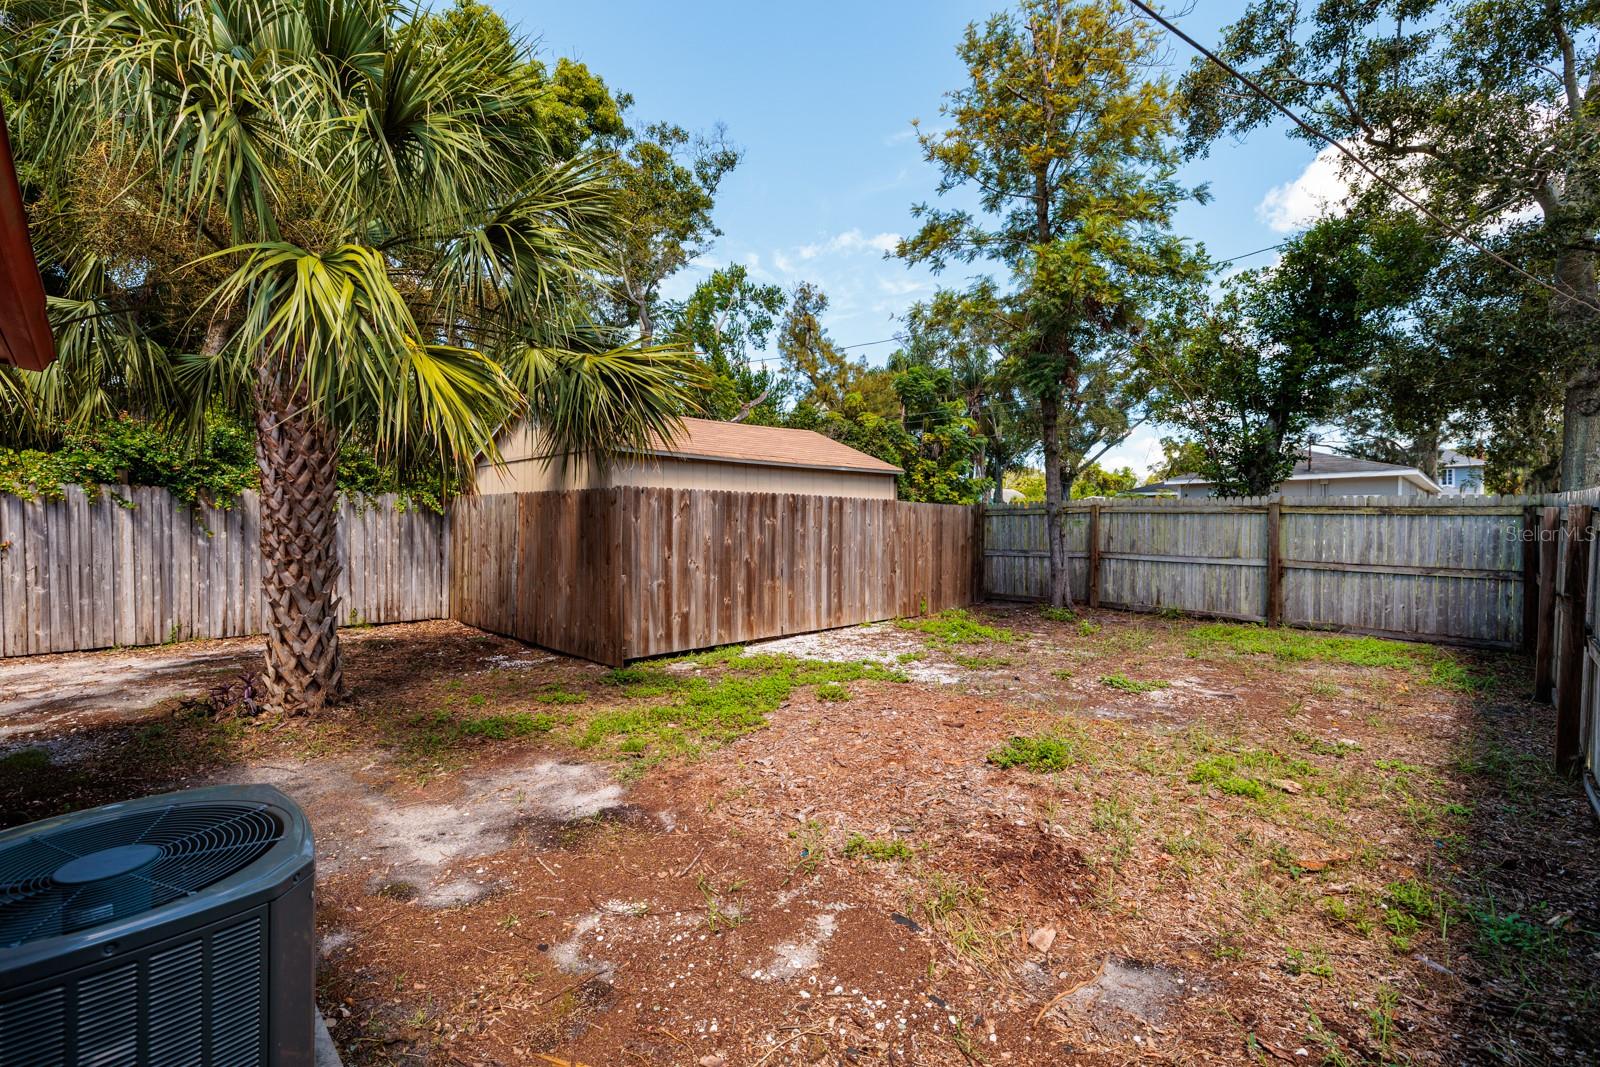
x: 1247, y: 255
x: 1457, y: 232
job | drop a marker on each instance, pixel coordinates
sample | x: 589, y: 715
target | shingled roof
x: 1315, y: 465
x: 738, y: 442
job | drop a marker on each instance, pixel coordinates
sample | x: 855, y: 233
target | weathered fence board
x: 620, y: 574
x: 133, y: 566
x: 1447, y: 570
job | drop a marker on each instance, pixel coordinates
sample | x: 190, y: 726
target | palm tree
x: 329, y: 216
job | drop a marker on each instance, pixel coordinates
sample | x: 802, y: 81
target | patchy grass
x: 1055, y: 614
x: 1130, y: 685
x: 1040, y: 753
x: 558, y: 694
x: 25, y: 761
x: 956, y: 626
x: 432, y: 735
x: 980, y: 663
x: 859, y: 845
x: 705, y: 711
x: 1436, y: 666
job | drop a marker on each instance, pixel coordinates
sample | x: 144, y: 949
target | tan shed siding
x: 667, y: 473
x: 526, y: 470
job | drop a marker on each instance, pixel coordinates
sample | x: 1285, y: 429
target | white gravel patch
x: 879, y: 642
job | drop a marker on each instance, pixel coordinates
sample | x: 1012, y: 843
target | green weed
x: 1381, y: 1019
x: 1222, y: 771
x: 1129, y: 685
x: 1314, y: 962
x: 978, y: 663
x: 1436, y: 666
x: 557, y: 694
x: 716, y: 710
x: 832, y: 691
x: 1039, y: 753
x: 25, y: 761
x: 501, y: 727
x: 871, y: 848
x: 956, y: 626
x: 1502, y: 937
x: 1055, y: 614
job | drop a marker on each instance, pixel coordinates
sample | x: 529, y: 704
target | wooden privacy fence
x: 134, y: 566
x: 618, y: 574
x: 1562, y: 625
x: 1442, y: 570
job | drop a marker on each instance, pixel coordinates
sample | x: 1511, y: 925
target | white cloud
x: 850, y: 241
x: 1320, y: 190
x: 904, y: 285
x: 1141, y: 451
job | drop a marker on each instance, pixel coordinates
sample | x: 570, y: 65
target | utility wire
x: 1247, y: 255
x: 1457, y: 232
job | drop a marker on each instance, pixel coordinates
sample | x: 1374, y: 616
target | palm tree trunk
x: 298, y: 456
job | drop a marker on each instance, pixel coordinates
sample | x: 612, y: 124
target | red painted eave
x: 25, y: 339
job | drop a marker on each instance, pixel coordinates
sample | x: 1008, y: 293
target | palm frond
x: 602, y: 404
x: 334, y: 325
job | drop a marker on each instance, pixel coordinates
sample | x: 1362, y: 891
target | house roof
x: 1449, y: 457
x: 738, y: 442
x: 1319, y: 466
x: 25, y: 339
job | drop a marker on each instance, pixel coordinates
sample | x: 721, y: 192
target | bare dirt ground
x: 986, y: 838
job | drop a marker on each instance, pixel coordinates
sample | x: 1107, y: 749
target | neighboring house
x: 1459, y: 475
x: 1154, y: 489
x: 1324, y: 474
x: 706, y: 455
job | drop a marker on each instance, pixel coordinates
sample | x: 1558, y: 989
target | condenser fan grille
x: 81, y: 876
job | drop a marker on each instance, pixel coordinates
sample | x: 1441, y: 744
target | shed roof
x: 738, y: 442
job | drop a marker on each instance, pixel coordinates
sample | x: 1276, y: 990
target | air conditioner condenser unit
x: 172, y: 931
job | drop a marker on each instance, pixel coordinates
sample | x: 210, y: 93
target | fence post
x: 1094, y: 555
x: 1530, y: 577
x: 1569, y: 702
x: 1275, y: 563
x: 1543, y: 660
x: 980, y: 530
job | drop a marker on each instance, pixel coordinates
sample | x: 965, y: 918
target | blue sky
x: 821, y: 97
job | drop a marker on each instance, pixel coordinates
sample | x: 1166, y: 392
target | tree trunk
x: 1580, y: 431
x: 298, y: 456
x: 1580, y: 414
x: 1426, y: 448
x: 1054, y: 500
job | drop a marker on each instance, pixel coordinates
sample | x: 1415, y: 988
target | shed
x: 705, y: 455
